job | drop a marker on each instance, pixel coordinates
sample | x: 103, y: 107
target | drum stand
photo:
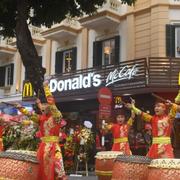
x: 79, y: 160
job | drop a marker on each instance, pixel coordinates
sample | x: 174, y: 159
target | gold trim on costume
x: 48, y: 139
x: 47, y: 91
x: 161, y: 140
x: 121, y: 140
x: 103, y: 173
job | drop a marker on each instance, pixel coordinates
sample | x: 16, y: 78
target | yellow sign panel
x: 28, y: 90
x: 179, y: 79
x: 117, y: 99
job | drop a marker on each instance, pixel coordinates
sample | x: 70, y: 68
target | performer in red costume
x: 120, y: 132
x: 1, y: 132
x: 49, y: 152
x: 161, y: 128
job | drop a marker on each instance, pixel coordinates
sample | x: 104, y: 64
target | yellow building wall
x: 142, y: 34
x: 149, y: 37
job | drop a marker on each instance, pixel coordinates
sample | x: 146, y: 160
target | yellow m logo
x: 28, y: 90
x: 117, y: 99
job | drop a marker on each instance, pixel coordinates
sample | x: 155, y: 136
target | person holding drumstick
x: 49, y: 152
x: 120, y: 132
x: 161, y: 127
x: 1, y: 133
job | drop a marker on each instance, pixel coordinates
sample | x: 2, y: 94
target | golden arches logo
x: 117, y: 99
x: 28, y: 90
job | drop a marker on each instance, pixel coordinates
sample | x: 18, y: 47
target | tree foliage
x: 16, y: 15
x: 45, y: 12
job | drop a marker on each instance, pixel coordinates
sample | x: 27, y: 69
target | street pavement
x: 91, y: 176
x: 82, y: 178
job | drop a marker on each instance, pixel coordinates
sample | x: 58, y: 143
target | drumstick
x: 103, y: 137
x: 15, y: 121
x: 159, y: 97
x: 9, y: 104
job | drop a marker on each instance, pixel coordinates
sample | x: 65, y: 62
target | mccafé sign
x: 125, y: 73
x: 27, y: 90
x: 93, y: 79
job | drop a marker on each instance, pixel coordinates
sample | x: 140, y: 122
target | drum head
x: 165, y: 163
x: 133, y: 159
x: 107, y: 154
x: 20, y: 155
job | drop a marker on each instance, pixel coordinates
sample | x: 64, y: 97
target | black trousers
x: 176, y: 152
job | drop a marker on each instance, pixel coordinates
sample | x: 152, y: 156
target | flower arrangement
x: 20, y: 137
x: 69, y: 153
x: 78, y: 145
x: 86, y: 138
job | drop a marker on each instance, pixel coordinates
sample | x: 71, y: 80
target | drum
x: 164, y: 169
x: 104, y: 164
x: 131, y: 167
x: 19, y: 165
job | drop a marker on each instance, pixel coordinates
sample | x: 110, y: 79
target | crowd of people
x: 157, y: 138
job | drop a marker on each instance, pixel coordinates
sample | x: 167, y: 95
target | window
x: 108, y: 52
x: 177, y: 41
x: 67, y: 60
x: 8, y: 75
x: 173, y: 40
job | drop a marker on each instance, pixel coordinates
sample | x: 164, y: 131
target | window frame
x: 110, y: 58
x: 177, y: 41
x: 8, y: 71
x: 70, y: 51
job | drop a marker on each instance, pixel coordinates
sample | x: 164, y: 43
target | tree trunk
x: 34, y: 70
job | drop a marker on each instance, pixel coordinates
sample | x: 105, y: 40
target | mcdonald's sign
x: 117, y: 100
x: 28, y: 91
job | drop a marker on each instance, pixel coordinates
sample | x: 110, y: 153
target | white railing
x: 6, y: 41
x: 174, y: 1
x: 70, y: 22
x: 114, y: 6
x: 35, y: 31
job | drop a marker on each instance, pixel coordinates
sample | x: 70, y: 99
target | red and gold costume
x: 161, y: 130
x: 1, y: 141
x: 120, y: 135
x: 49, y: 152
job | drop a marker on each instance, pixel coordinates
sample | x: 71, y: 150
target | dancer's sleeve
x: 145, y: 116
x: 177, y: 99
x: 32, y: 116
x: 56, y: 113
x: 174, y: 109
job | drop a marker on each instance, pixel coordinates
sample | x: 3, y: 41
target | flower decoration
x: 78, y: 144
x: 69, y: 147
x: 19, y: 137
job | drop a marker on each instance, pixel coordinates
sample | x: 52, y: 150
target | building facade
x: 131, y: 50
